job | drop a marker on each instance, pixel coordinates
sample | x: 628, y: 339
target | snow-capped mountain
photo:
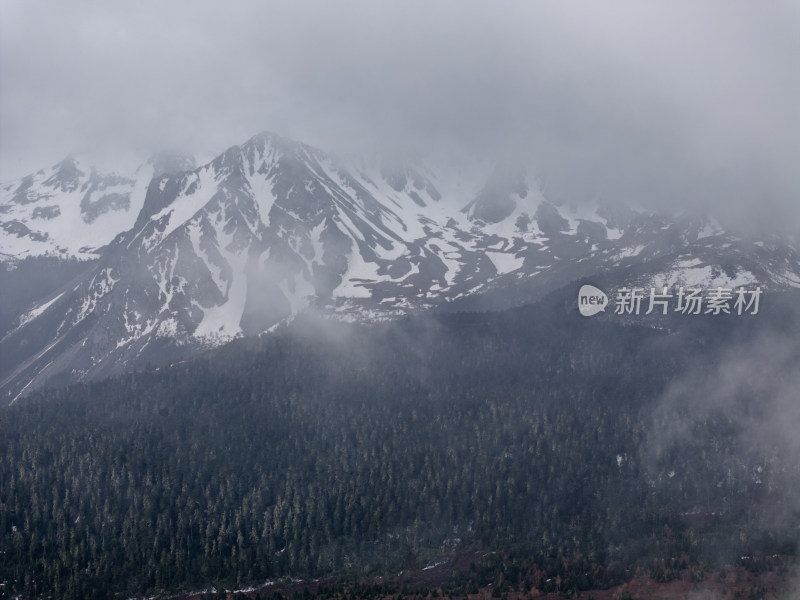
x: 72, y: 210
x: 189, y: 257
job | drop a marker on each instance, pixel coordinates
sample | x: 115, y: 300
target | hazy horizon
x: 662, y: 103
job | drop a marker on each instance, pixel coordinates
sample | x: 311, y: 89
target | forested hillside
x: 588, y: 445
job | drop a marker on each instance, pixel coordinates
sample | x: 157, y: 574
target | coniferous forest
x: 591, y: 447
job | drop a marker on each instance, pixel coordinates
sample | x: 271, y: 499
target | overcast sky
x: 669, y: 102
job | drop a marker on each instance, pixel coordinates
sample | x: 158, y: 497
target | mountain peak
x: 170, y: 163
x: 66, y: 175
x: 266, y: 138
x: 498, y: 198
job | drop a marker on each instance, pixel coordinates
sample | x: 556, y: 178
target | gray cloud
x: 737, y: 419
x: 663, y: 102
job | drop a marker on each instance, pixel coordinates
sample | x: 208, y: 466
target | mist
x: 732, y: 423
x: 663, y: 104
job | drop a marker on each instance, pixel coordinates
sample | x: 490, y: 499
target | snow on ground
x: 185, y: 206
x: 357, y: 270
x: 694, y: 274
x: 222, y: 321
x: 316, y: 243
x: 505, y: 262
x: 395, y: 251
x: 32, y: 314
x: 102, y: 283
x: 195, y: 236
x: 402, y: 214
x: 711, y: 227
x: 70, y: 233
x: 334, y: 174
x: 630, y: 251
x: 450, y: 253
x: 263, y: 195
x: 349, y: 226
x: 136, y: 325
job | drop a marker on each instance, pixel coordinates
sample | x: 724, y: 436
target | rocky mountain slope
x: 184, y: 258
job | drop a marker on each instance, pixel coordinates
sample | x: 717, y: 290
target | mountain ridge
x: 273, y: 227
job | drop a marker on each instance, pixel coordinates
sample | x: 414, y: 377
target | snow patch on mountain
x: 705, y: 277
x: 505, y: 262
x: 35, y: 312
x: 198, y: 188
x: 69, y: 210
x: 101, y: 284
